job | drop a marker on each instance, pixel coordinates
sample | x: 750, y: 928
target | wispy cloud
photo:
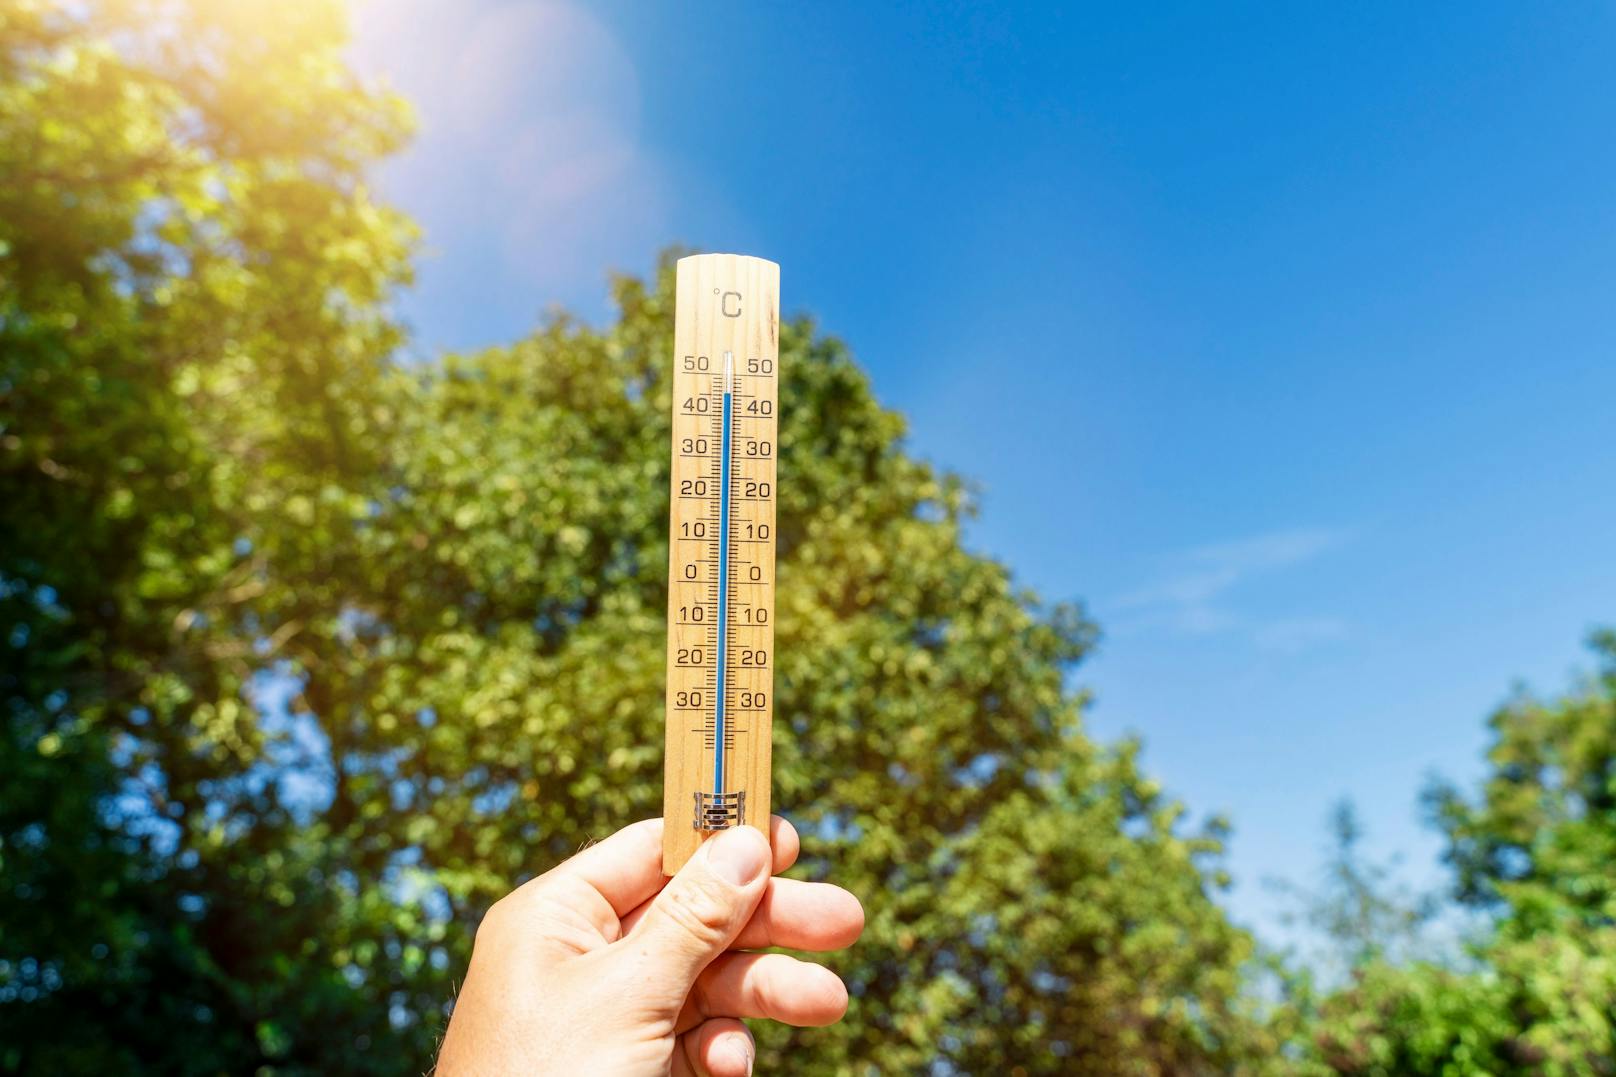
x: 1289, y: 635
x: 1197, y: 595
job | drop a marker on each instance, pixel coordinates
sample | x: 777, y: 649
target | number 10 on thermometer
x: 721, y: 534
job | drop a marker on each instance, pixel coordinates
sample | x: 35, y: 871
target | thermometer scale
x: 721, y: 534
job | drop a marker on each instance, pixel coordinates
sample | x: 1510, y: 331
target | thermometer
x: 721, y: 534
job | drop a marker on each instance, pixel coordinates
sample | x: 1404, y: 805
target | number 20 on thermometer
x: 721, y: 535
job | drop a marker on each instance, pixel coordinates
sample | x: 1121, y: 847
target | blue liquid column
x: 723, y: 577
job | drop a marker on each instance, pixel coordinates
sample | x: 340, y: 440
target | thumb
x: 701, y: 911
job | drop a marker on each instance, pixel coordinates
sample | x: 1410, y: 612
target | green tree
x: 191, y: 338
x: 1538, y: 841
x: 1533, y: 848
x: 309, y: 656
x: 1360, y: 910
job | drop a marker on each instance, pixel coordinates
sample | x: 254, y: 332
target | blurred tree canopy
x: 1534, y: 850
x: 310, y: 654
x: 1360, y: 912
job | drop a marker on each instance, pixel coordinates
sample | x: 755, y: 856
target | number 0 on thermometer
x: 721, y: 533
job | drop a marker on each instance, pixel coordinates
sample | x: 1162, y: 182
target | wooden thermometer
x: 726, y: 376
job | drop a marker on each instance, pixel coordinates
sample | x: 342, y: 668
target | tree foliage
x: 1534, y: 848
x: 191, y: 338
x: 1360, y: 912
x: 310, y: 655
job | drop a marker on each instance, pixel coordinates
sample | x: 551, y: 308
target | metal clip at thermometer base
x: 721, y: 533
x: 719, y: 811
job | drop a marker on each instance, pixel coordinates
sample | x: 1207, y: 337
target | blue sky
x: 1318, y: 301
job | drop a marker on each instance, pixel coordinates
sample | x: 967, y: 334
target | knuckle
x: 532, y: 915
x: 559, y: 926
x: 700, y: 911
x: 501, y: 913
x: 495, y: 923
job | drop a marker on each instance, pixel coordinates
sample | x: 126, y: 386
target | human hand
x: 605, y: 966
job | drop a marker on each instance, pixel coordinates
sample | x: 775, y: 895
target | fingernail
x: 738, y: 856
x: 742, y: 1046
